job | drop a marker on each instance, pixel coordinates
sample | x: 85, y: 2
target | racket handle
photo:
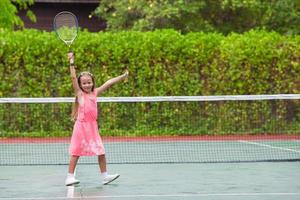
x: 70, y: 50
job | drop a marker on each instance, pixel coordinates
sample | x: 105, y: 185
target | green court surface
x: 229, y: 181
x: 155, y: 150
x: 216, y: 168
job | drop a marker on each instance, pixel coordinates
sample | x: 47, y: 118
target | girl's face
x: 86, y: 83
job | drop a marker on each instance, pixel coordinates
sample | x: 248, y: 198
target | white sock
x: 70, y: 175
x: 104, y: 174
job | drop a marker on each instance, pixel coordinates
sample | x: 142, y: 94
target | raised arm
x: 111, y: 82
x: 73, y: 73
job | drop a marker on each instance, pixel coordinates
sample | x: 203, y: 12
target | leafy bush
x: 161, y: 63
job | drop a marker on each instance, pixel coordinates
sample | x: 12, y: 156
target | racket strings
x: 66, y: 27
x: 65, y: 20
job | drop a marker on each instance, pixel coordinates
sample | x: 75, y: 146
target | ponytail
x: 75, y: 106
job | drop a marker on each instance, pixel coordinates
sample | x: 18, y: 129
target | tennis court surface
x: 223, y: 147
x: 259, y: 181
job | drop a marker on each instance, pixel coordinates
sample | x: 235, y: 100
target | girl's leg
x: 105, y: 176
x: 102, y: 163
x: 73, y: 163
x: 70, y: 180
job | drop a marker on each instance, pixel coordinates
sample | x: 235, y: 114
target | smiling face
x: 86, y: 83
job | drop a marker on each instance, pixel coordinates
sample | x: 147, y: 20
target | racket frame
x: 67, y: 42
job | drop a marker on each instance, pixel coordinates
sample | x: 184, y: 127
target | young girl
x: 85, y: 139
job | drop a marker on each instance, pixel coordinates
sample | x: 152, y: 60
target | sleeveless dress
x: 86, y: 140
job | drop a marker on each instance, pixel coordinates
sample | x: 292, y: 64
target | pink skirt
x: 86, y: 140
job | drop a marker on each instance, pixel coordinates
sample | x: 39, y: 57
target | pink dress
x: 86, y: 140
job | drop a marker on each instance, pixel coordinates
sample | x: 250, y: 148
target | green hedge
x: 34, y: 63
x: 161, y: 63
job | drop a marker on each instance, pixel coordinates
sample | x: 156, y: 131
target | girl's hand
x: 125, y: 76
x: 126, y: 73
x: 71, y: 58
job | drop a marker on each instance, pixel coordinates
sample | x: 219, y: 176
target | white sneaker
x: 71, y: 181
x: 110, y: 178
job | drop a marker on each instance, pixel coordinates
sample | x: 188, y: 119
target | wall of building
x: 45, y: 13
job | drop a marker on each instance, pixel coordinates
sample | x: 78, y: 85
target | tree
x: 9, y: 10
x: 201, y: 15
x: 152, y: 14
x: 275, y: 15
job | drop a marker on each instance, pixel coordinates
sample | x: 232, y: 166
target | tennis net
x: 173, y: 129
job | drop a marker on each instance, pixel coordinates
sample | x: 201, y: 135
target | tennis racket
x: 65, y: 25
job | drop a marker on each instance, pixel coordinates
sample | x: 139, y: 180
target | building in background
x: 45, y: 11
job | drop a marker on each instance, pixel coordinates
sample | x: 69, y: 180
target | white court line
x: 163, y: 195
x: 269, y: 146
x: 70, y: 191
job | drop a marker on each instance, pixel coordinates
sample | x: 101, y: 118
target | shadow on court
x: 259, y: 181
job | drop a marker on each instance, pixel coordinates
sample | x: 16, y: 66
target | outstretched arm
x: 111, y: 82
x: 73, y: 73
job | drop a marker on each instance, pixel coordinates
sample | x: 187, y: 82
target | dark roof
x: 67, y: 1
